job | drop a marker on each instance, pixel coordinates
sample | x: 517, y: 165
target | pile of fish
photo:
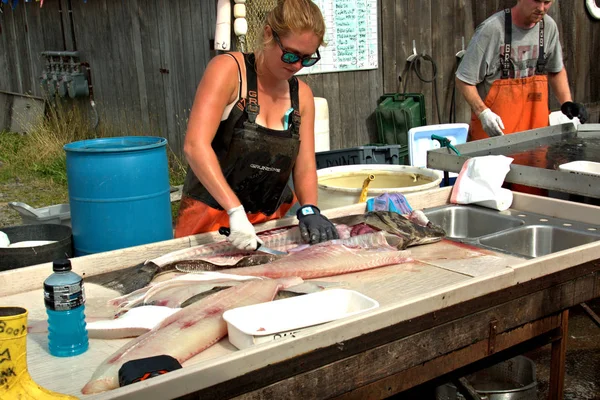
x: 370, y: 240
x: 401, y: 232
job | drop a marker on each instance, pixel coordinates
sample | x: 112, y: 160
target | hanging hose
x: 415, y: 66
x: 365, y: 188
x: 452, y: 116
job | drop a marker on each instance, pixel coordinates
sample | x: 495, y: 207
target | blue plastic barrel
x: 119, y: 192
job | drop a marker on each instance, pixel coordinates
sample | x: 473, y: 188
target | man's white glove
x: 492, y: 123
x: 242, y: 235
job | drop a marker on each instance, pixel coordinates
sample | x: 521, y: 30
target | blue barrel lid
x: 119, y: 144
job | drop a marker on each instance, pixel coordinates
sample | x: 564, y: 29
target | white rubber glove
x: 492, y: 123
x: 242, y: 235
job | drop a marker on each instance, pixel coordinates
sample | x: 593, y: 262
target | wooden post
x: 557, y: 361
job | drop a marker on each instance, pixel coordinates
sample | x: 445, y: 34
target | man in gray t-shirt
x: 515, y: 88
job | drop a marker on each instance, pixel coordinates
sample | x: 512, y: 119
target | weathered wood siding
x: 147, y: 57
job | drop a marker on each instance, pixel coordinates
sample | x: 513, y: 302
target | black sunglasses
x: 290, y: 57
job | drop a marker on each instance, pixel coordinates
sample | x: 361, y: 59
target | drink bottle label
x: 64, y: 297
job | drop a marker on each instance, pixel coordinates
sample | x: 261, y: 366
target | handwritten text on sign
x: 351, y: 36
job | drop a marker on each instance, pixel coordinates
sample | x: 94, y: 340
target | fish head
x: 396, y: 224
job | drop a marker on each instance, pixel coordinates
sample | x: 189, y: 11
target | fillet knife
x: 226, y: 231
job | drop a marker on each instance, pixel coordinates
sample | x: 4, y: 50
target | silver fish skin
x: 188, y: 331
x: 279, y: 238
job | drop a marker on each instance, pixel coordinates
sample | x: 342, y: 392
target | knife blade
x: 226, y: 231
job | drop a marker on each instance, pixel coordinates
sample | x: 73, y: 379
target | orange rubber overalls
x: 256, y: 162
x: 522, y: 103
x: 197, y: 217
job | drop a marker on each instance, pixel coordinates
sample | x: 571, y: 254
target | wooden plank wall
x: 147, y: 57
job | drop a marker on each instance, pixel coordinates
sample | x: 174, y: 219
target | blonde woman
x: 250, y: 128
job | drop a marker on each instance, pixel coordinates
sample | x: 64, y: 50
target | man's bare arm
x: 560, y: 85
x: 471, y: 95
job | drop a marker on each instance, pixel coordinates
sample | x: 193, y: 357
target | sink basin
x: 537, y: 240
x: 471, y: 222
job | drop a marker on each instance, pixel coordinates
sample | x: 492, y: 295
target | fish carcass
x: 188, y: 331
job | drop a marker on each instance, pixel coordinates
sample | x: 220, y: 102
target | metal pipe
x: 73, y: 39
x: 60, y: 53
x: 91, y: 90
x: 62, y: 25
x: 22, y: 95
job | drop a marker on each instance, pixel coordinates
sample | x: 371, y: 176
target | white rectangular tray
x: 581, y: 167
x: 265, y: 322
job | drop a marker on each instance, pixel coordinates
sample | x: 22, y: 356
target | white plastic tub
x: 334, y: 192
x: 57, y: 214
x: 278, y: 319
x: 581, y: 167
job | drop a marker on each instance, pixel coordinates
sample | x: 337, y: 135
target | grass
x: 33, y: 165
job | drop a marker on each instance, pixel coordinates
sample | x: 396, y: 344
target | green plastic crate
x: 396, y: 114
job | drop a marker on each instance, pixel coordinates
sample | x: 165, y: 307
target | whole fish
x: 188, y: 331
x: 220, y: 255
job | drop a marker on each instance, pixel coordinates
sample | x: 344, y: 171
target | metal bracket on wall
x: 492, y: 337
x: 461, y: 52
x: 414, y: 53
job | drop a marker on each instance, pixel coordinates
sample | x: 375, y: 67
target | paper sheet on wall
x: 351, y: 36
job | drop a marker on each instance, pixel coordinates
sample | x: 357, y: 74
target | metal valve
x: 64, y: 74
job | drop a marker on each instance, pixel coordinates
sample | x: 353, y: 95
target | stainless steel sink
x: 522, y: 234
x: 537, y: 240
x: 471, y: 222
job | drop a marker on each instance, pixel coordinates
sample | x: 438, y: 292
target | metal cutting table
x: 537, y: 155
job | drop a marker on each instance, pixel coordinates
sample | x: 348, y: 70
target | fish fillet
x: 326, y: 259
x: 187, y: 332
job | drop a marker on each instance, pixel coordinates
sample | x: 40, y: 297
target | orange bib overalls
x: 522, y: 103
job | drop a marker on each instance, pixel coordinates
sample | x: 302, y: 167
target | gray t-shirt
x: 481, y: 64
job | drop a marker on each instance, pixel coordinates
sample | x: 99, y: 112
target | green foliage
x: 54, y: 168
x: 37, y: 159
x: 11, y: 145
x: 177, y: 169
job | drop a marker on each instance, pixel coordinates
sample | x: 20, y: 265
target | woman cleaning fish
x: 240, y: 150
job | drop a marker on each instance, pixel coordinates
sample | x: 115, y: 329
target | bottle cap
x: 61, y: 265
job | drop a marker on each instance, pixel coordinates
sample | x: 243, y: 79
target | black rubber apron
x: 256, y: 161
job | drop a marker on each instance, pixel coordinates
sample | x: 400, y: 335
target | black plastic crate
x: 392, y: 154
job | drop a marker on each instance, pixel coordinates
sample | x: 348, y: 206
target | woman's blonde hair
x: 291, y: 16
